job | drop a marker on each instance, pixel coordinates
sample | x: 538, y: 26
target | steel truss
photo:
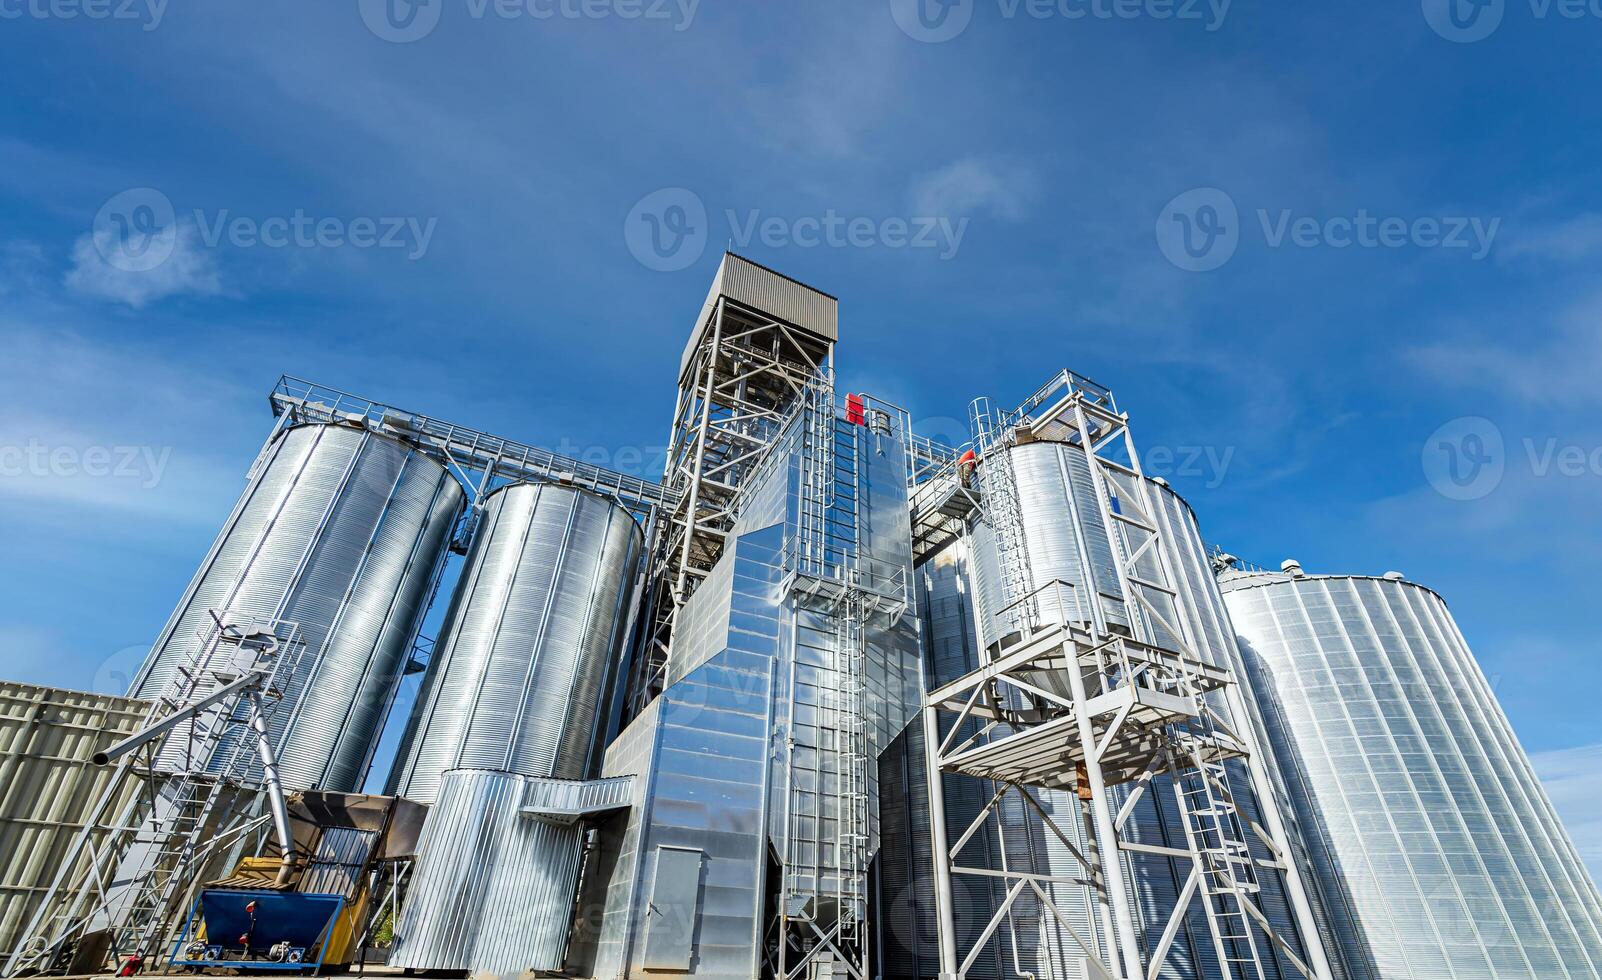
x: 1069, y: 704
x: 210, y: 783
x: 743, y: 380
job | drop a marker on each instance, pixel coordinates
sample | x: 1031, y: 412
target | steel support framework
x: 1069, y: 704
x: 742, y: 382
x: 207, y: 766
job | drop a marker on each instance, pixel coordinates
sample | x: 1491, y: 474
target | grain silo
x: 509, y: 727
x: 1436, y: 849
x: 343, y: 531
x: 1068, y: 563
x: 524, y: 665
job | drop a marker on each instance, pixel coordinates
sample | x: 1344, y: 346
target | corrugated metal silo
x: 522, y: 669
x: 1435, y: 848
x: 343, y: 531
x: 1064, y: 539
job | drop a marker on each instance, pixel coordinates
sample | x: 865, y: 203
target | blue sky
x: 1393, y: 225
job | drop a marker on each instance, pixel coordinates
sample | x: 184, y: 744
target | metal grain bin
x: 521, y: 671
x: 493, y: 887
x: 49, y: 785
x: 343, y: 531
x: 1432, y: 841
x: 1064, y: 538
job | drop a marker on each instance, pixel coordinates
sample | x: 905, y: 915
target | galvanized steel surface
x: 342, y: 531
x: 493, y: 888
x: 1436, y: 849
x: 1067, y: 540
x: 524, y: 661
x: 48, y: 784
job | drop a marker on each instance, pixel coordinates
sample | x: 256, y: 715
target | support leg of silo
x: 945, y: 932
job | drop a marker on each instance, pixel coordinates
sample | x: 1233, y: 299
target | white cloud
x: 1561, y: 370
x: 189, y: 269
x: 970, y: 186
x: 1573, y: 779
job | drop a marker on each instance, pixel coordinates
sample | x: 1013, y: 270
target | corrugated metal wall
x: 342, y: 531
x: 493, y: 889
x: 527, y: 653
x: 48, y: 785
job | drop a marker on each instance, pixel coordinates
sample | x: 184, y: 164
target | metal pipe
x: 173, y: 720
x: 275, y: 789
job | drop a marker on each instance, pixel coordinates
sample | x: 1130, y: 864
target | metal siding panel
x: 48, y: 784
x: 674, y: 912
x: 493, y: 889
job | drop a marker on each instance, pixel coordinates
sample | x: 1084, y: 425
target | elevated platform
x: 1032, y: 735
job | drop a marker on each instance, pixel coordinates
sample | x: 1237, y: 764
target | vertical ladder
x: 1213, y: 826
x: 1224, y: 863
x: 852, y: 749
x: 999, y: 496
